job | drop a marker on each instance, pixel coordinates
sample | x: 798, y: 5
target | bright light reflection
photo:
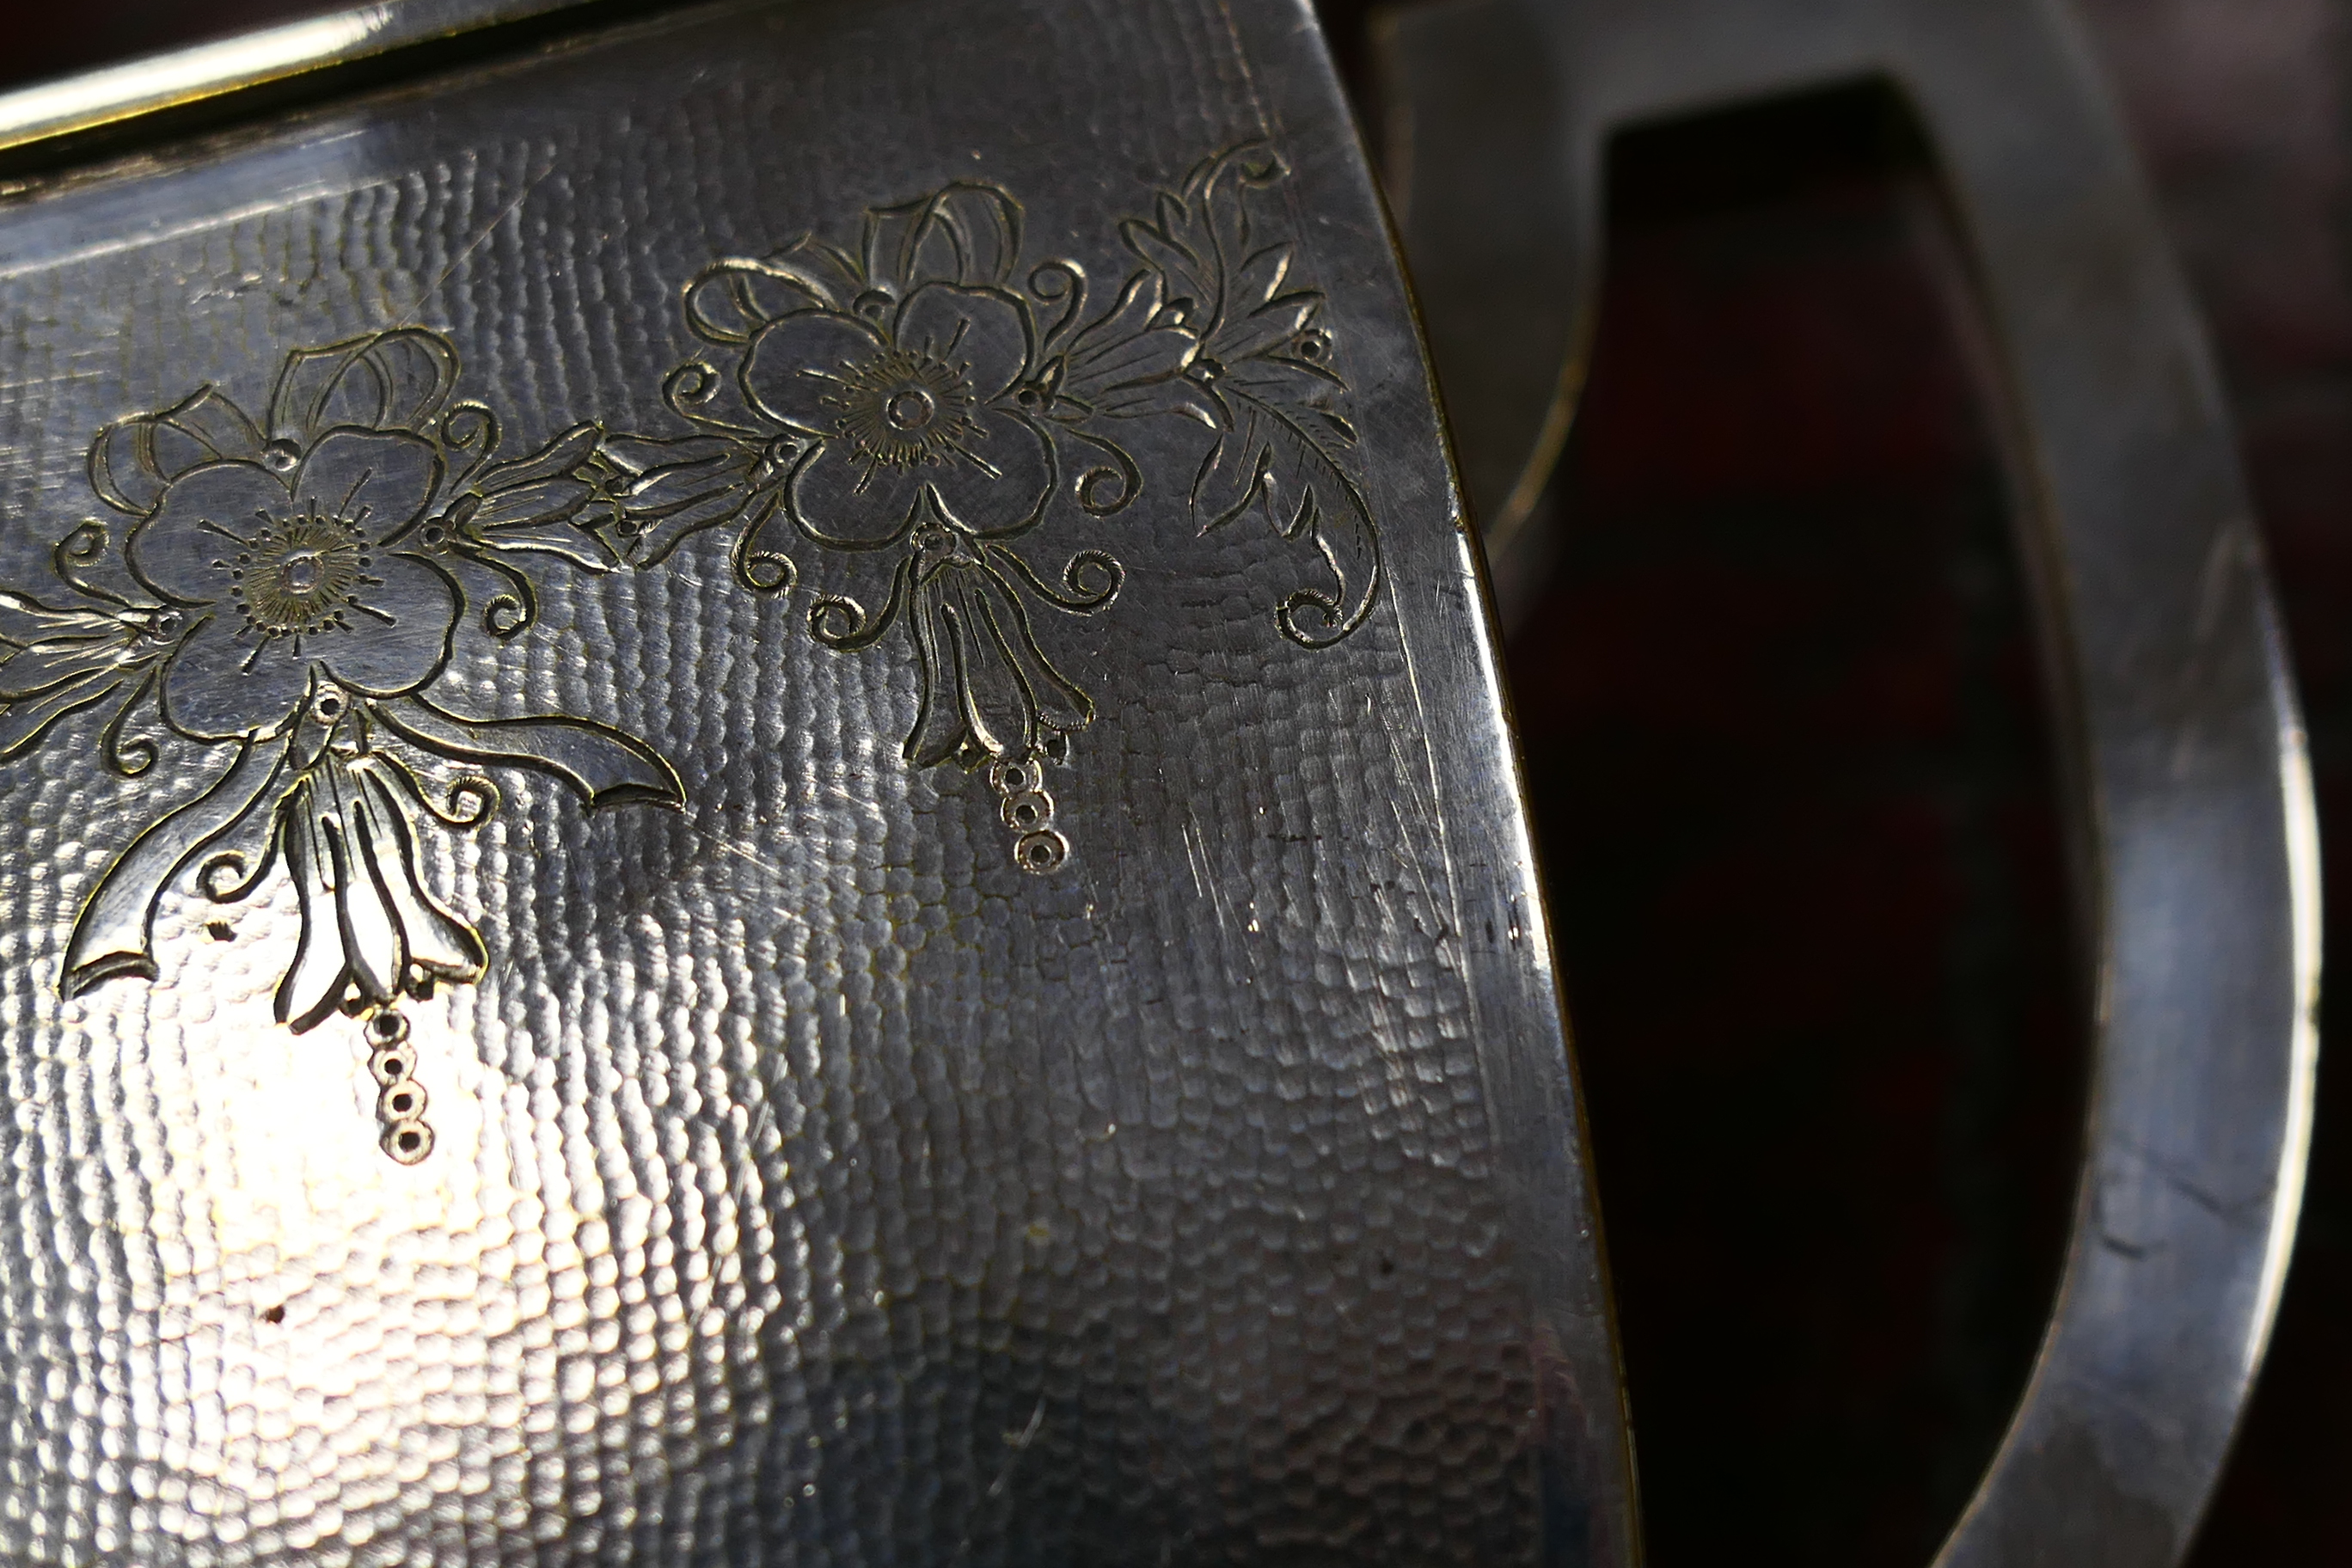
x: 315, y: 1328
x: 97, y: 97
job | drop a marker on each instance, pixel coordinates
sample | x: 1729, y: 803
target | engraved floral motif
x: 910, y: 411
x: 905, y: 409
x: 345, y: 828
x: 901, y: 419
x: 988, y: 692
x: 291, y: 575
x: 287, y: 592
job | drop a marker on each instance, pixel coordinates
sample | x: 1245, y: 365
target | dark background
x: 1791, y: 771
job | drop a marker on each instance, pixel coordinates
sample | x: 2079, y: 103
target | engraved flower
x: 902, y: 399
x: 988, y: 690
x: 289, y: 572
x: 372, y: 930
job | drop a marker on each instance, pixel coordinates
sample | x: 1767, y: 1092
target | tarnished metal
x: 763, y: 817
x: 2198, y: 852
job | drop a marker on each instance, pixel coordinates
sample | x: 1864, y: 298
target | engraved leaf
x: 314, y: 982
x: 115, y: 930
x: 26, y: 620
x: 1280, y: 461
x: 1186, y: 279
x: 1260, y: 278
x: 36, y: 668
x: 541, y: 501
x: 1130, y: 360
x: 25, y: 720
x: 1199, y: 240
x: 439, y: 942
x: 560, y: 457
x: 731, y: 299
x: 132, y: 459
x: 968, y: 233
x: 1270, y: 327
x: 606, y: 766
x: 398, y: 380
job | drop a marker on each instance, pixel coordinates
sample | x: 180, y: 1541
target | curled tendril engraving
x: 285, y: 595
x: 281, y: 596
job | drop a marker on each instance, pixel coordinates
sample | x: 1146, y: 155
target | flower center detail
x: 910, y: 410
x: 296, y: 574
x: 901, y: 408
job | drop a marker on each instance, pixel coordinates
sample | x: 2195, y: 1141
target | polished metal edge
x: 2302, y: 813
x: 92, y: 100
x: 2200, y: 859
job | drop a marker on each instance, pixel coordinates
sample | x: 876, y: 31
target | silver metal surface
x: 763, y: 817
x: 2199, y: 846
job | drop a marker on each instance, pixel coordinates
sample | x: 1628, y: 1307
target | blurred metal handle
x: 2197, y: 840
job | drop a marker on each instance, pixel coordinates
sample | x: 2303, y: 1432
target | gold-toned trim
x: 72, y: 106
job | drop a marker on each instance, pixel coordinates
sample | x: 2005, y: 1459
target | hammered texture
x: 812, y: 1185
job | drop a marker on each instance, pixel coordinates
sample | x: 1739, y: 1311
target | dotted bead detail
x: 401, y: 1099
x: 1028, y: 808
